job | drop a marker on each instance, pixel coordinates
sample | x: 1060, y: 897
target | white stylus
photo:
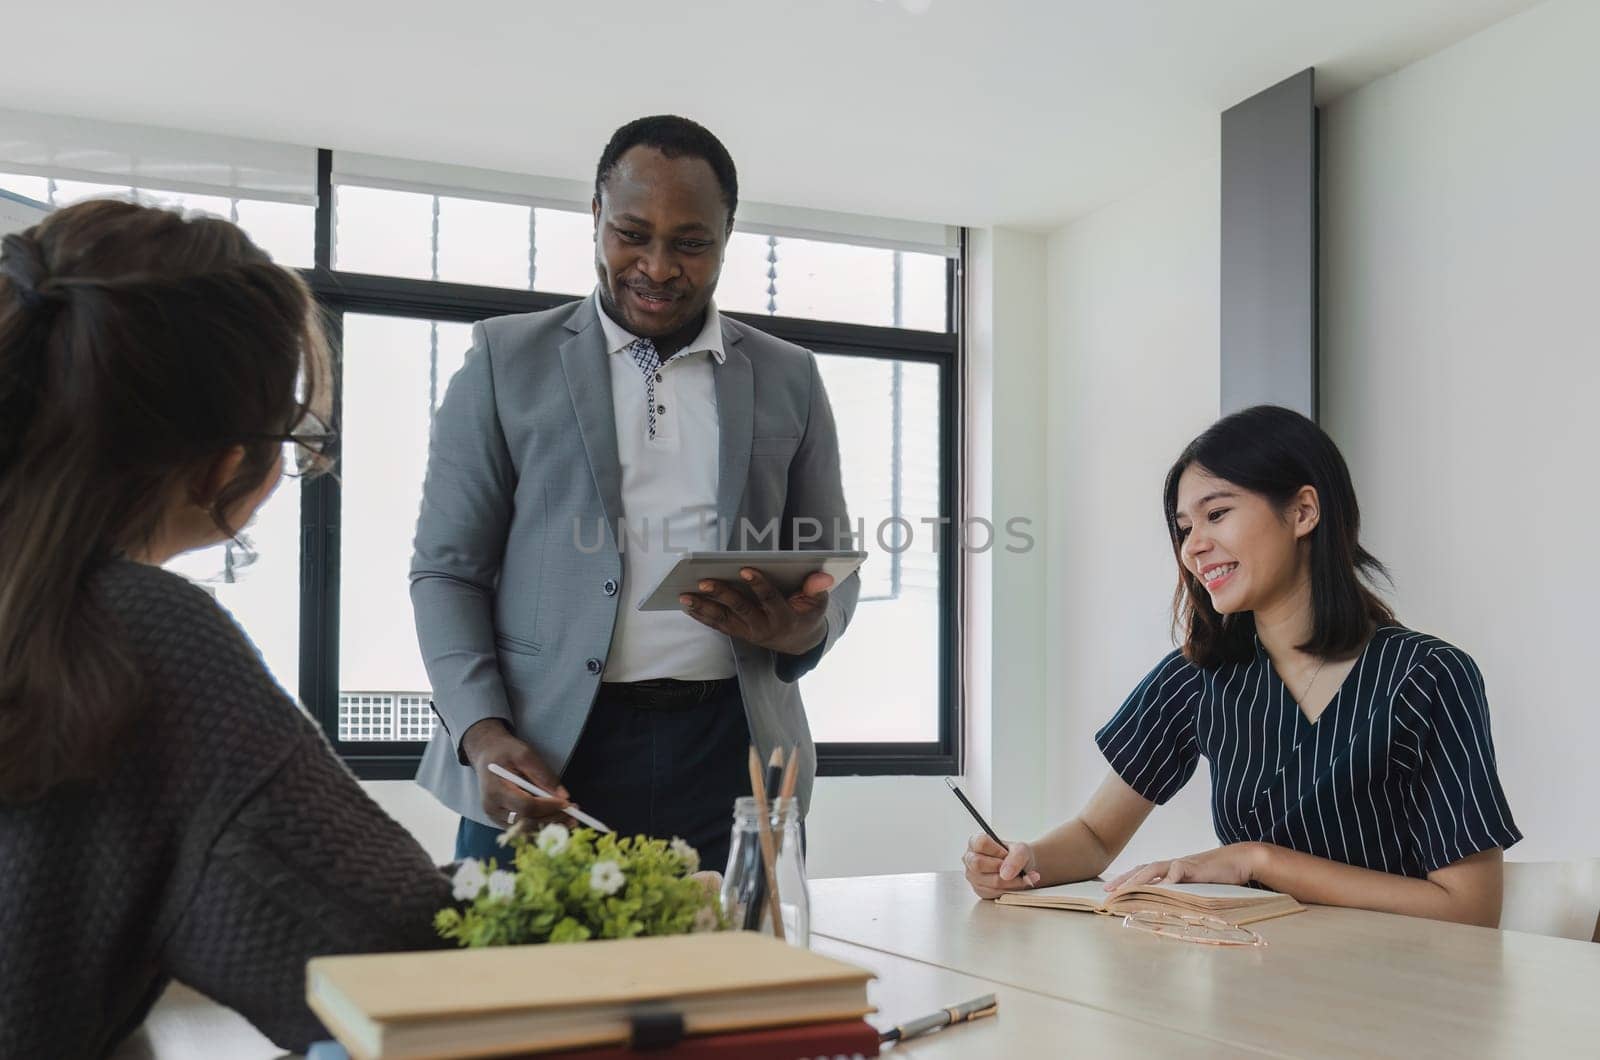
x: 533, y: 789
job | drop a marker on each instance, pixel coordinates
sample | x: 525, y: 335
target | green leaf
x: 554, y: 902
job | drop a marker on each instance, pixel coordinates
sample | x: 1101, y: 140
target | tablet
x: 786, y: 570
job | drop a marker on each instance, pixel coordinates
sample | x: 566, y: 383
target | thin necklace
x: 1302, y: 700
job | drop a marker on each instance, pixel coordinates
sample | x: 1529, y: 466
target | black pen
x: 977, y: 1008
x: 976, y: 816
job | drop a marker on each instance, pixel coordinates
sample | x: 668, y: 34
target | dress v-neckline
x: 1338, y: 693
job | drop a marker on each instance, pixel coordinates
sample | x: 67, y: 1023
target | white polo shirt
x: 669, y: 501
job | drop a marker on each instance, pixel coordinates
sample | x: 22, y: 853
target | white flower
x: 553, y: 838
x: 685, y: 852
x: 469, y: 881
x: 502, y: 884
x: 606, y: 877
x: 705, y: 919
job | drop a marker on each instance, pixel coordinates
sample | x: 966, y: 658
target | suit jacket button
x: 595, y: 666
x: 610, y: 587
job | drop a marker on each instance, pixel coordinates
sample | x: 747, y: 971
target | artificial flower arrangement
x: 568, y: 886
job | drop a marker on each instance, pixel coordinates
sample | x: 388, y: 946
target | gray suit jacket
x: 514, y: 612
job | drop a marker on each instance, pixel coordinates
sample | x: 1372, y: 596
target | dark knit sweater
x: 225, y: 847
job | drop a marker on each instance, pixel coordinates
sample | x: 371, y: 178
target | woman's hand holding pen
x: 992, y: 869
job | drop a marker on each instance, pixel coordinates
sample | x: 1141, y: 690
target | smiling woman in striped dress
x: 1351, y: 759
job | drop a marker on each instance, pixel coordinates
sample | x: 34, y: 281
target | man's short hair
x: 674, y: 137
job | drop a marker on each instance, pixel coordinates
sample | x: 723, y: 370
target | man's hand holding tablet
x: 754, y: 611
x: 776, y: 600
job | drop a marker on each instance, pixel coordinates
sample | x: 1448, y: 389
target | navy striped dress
x: 1397, y: 773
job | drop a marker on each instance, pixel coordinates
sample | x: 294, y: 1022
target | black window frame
x: 339, y: 293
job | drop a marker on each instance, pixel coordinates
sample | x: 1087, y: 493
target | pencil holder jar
x: 746, y: 899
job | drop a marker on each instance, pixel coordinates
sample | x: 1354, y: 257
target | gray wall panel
x: 1269, y: 248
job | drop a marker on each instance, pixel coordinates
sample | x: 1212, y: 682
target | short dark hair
x: 674, y: 137
x: 1274, y: 452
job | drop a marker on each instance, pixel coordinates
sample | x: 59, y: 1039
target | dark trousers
x: 655, y: 771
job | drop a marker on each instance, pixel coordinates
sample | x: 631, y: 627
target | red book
x: 846, y: 1038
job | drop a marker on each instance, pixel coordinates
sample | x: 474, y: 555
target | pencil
x: 791, y: 773
x: 769, y: 856
x: 774, y: 771
x: 786, y: 792
x: 758, y: 896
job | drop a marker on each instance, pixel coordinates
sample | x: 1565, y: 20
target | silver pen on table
x: 977, y: 1008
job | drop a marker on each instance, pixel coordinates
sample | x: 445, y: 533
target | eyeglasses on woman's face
x: 308, y: 448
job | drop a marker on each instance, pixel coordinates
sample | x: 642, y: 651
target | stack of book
x: 687, y: 997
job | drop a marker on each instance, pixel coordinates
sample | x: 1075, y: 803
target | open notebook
x: 1237, y: 905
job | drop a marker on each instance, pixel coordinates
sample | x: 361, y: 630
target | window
x: 416, y: 235
x: 395, y: 371
x: 411, y: 272
x: 323, y: 587
x: 283, y: 230
x: 889, y: 433
x: 259, y: 581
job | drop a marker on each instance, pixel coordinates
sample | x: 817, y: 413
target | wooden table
x: 1329, y: 982
x: 185, y: 1025
x: 1029, y: 1023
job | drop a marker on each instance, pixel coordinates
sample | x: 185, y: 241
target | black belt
x: 665, y: 693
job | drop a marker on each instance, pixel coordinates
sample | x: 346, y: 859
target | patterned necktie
x: 644, y: 354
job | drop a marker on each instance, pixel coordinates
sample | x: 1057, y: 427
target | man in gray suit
x: 576, y: 453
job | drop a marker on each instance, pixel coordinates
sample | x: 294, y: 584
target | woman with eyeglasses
x: 166, y: 809
x: 1351, y: 758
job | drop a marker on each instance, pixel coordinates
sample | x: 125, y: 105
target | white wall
x: 1008, y: 364
x: 1134, y: 375
x: 1461, y: 372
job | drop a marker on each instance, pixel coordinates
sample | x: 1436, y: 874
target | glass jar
x: 744, y: 883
